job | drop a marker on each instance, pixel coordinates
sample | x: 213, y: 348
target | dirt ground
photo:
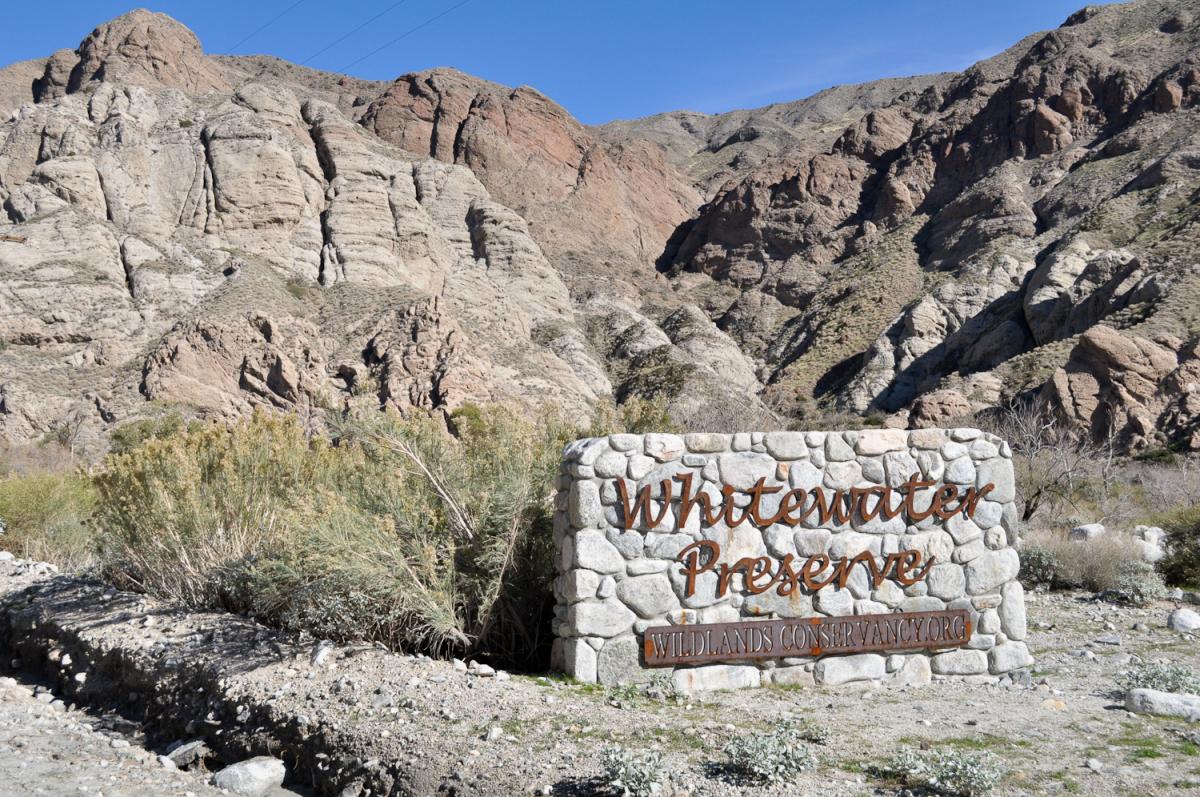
x: 360, y: 720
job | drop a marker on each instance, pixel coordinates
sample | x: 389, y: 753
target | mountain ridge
x: 225, y: 232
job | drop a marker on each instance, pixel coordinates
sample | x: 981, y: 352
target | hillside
x: 220, y: 233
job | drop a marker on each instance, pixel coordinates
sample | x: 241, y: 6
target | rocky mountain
x: 226, y: 232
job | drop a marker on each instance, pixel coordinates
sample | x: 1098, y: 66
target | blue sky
x: 601, y: 60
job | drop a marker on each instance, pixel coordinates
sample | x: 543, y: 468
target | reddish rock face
x: 586, y: 199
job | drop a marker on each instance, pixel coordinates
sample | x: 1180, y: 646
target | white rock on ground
x: 1164, y: 704
x: 1183, y: 620
x: 253, y: 777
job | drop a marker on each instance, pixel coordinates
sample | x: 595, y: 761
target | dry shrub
x: 394, y: 531
x: 1099, y: 564
x: 44, y: 506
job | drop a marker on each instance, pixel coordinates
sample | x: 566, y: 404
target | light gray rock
x: 874, y: 442
x: 593, y: 551
x: 579, y: 660
x: 578, y: 585
x: 1183, y: 621
x: 998, y: 472
x: 706, y: 443
x: 716, y: 676
x: 623, y: 442
x: 915, y: 671
x: 946, y: 581
x: 585, y: 507
x: 253, y: 777
x: 605, y: 618
x: 786, y: 445
x: 1012, y: 610
x: 742, y: 470
x: 1009, y: 656
x: 663, y: 447
x: 810, y: 542
x: 842, y: 475
x: 649, y: 596
x: 1163, y: 704
x: 619, y: 662
x: 991, y: 570
x: 834, y: 602
x: 960, y: 662
x: 960, y: 471
x: 835, y: 670
x: 837, y: 449
x: 611, y: 464
x: 797, y: 604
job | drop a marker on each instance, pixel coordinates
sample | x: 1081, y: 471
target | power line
x: 351, y: 33
x: 265, y: 25
x: 404, y: 35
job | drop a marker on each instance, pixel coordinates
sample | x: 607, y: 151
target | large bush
x: 394, y: 531
x: 43, y: 516
x: 1181, y: 566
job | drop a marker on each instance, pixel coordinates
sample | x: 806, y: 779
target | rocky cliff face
x: 224, y: 233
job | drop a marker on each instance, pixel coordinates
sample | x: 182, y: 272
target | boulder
x: 1164, y: 704
x: 1184, y: 621
x: 254, y: 777
x: 1086, y: 532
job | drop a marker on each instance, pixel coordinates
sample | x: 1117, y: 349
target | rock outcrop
x: 230, y: 232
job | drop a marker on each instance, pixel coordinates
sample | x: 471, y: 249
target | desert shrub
x: 635, y: 415
x: 1163, y: 677
x: 1181, y: 565
x: 952, y: 773
x: 44, y: 516
x: 176, y: 513
x: 776, y: 756
x: 632, y: 774
x: 1038, y: 566
x: 392, y: 531
x: 1137, y: 583
x: 1098, y: 565
x: 130, y: 435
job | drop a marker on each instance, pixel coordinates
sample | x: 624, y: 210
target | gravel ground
x: 48, y: 748
x: 365, y: 721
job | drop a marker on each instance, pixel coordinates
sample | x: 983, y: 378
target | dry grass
x: 1097, y: 565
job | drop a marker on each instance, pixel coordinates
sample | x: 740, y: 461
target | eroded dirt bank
x: 360, y: 721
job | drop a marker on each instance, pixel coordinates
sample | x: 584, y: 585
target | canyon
x: 214, y: 234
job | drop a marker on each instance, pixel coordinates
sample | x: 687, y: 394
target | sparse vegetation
x: 774, y: 756
x: 1108, y: 563
x: 630, y: 773
x: 1181, y: 566
x: 45, y: 502
x: 952, y: 773
x: 1163, y: 677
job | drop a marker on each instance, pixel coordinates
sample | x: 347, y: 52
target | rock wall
x: 621, y: 571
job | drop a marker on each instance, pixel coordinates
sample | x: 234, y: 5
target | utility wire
x: 265, y: 25
x: 351, y: 33
x: 404, y: 35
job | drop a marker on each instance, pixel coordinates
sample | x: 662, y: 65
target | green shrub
x: 632, y: 774
x: 1163, y: 677
x: 952, y: 773
x: 1038, y: 566
x: 636, y: 416
x: 44, y: 517
x: 129, y: 436
x: 776, y: 756
x: 1181, y: 565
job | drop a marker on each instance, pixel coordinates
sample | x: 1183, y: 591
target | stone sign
x: 788, y: 557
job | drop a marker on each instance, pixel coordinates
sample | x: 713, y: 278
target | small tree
x: 1049, y: 460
